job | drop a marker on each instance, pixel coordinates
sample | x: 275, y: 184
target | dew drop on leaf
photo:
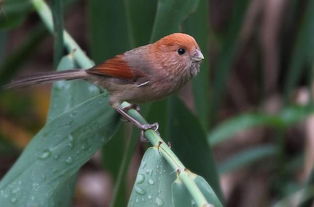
x: 139, y: 190
x: 69, y: 160
x: 159, y: 202
x: 151, y: 181
x: 13, y: 200
x: 45, y: 154
x: 140, y: 178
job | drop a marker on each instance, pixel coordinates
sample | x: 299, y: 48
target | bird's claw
x: 153, y: 126
x: 145, y: 127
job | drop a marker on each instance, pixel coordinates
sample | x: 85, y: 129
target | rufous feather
x: 114, y: 67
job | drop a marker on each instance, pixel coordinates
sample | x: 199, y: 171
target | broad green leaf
x: 57, y: 152
x: 188, y: 141
x: 153, y: 182
x: 108, y: 37
x: 140, y: 17
x: 13, y: 12
x: 247, y: 157
x: 182, y: 198
x: 285, y: 118
x: 66, y: 94
x: 170, y: 15
x: 228, y: 128
x: 76, y: 129
x: 197, y: 26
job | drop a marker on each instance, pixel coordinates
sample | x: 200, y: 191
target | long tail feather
x: 46, y: 78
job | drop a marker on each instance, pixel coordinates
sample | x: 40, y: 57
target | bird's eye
x: 181, y: 51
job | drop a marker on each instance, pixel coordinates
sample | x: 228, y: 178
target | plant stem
x: 184, y: 175
x: 154, y: 138
x: 78, y: 54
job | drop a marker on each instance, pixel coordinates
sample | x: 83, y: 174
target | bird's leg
x: 139, y: 125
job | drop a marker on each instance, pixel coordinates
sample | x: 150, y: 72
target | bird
x: 143, y: 74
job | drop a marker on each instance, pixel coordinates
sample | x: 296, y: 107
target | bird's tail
x: 46, y: 77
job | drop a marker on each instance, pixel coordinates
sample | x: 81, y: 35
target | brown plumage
x: 143, y: 74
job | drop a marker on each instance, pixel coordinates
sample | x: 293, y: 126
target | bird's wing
x: 116, y: 67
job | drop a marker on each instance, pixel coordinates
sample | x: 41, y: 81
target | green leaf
x: 285, y: 118
x: 13, y: 12
x: 247, y: 157
x: 153, y: 182
x: 108, y: 37
x: 14, y: 62
x: 72, y: 135
x: 188, y: 141
x: 228, y: 128
x: 170, y: 15
x: 56, y: 153
x: 66, y: 94
x: 3, y: 38
x: 303, y: 51
x: 140, y: 26
x: 57, y: 14
x: 182, y: 198
x: 197, y: 26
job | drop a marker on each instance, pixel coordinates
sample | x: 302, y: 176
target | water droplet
x: 35, y: 186
x: 159, y: 202
x: 69, y: 160
x: 70, y: 145
x: 149, y: 171
x: 56, y: 157
x: 139, y: 190
x: 93, y: 89
x: 83, y: 147
x: 32, y: 198
x: 193, y: 203
x: 151, y: 181
x: 140, y: 178
x: 45, y: 154
x: 13, y: 200
x: 15, y: 190
x: 70, y: 137
x: 136, y: 200
x: 149, y: 197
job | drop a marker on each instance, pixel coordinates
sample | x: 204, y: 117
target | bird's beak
x: 197, y: 56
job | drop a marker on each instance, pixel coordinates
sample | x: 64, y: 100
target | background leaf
x: 188, y: 141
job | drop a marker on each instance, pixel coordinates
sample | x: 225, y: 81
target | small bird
x: 147, y: 73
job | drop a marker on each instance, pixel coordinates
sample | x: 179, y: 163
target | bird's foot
x: 145, y: 127
x: 139, y: 125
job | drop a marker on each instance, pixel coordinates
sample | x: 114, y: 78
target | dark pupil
x: 181, y: 51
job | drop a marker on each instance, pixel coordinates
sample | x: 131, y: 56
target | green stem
x: 154, y: 138
x: 46, y: 16
x: 186, y: 177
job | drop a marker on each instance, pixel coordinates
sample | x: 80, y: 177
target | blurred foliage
x: 225, y: 121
